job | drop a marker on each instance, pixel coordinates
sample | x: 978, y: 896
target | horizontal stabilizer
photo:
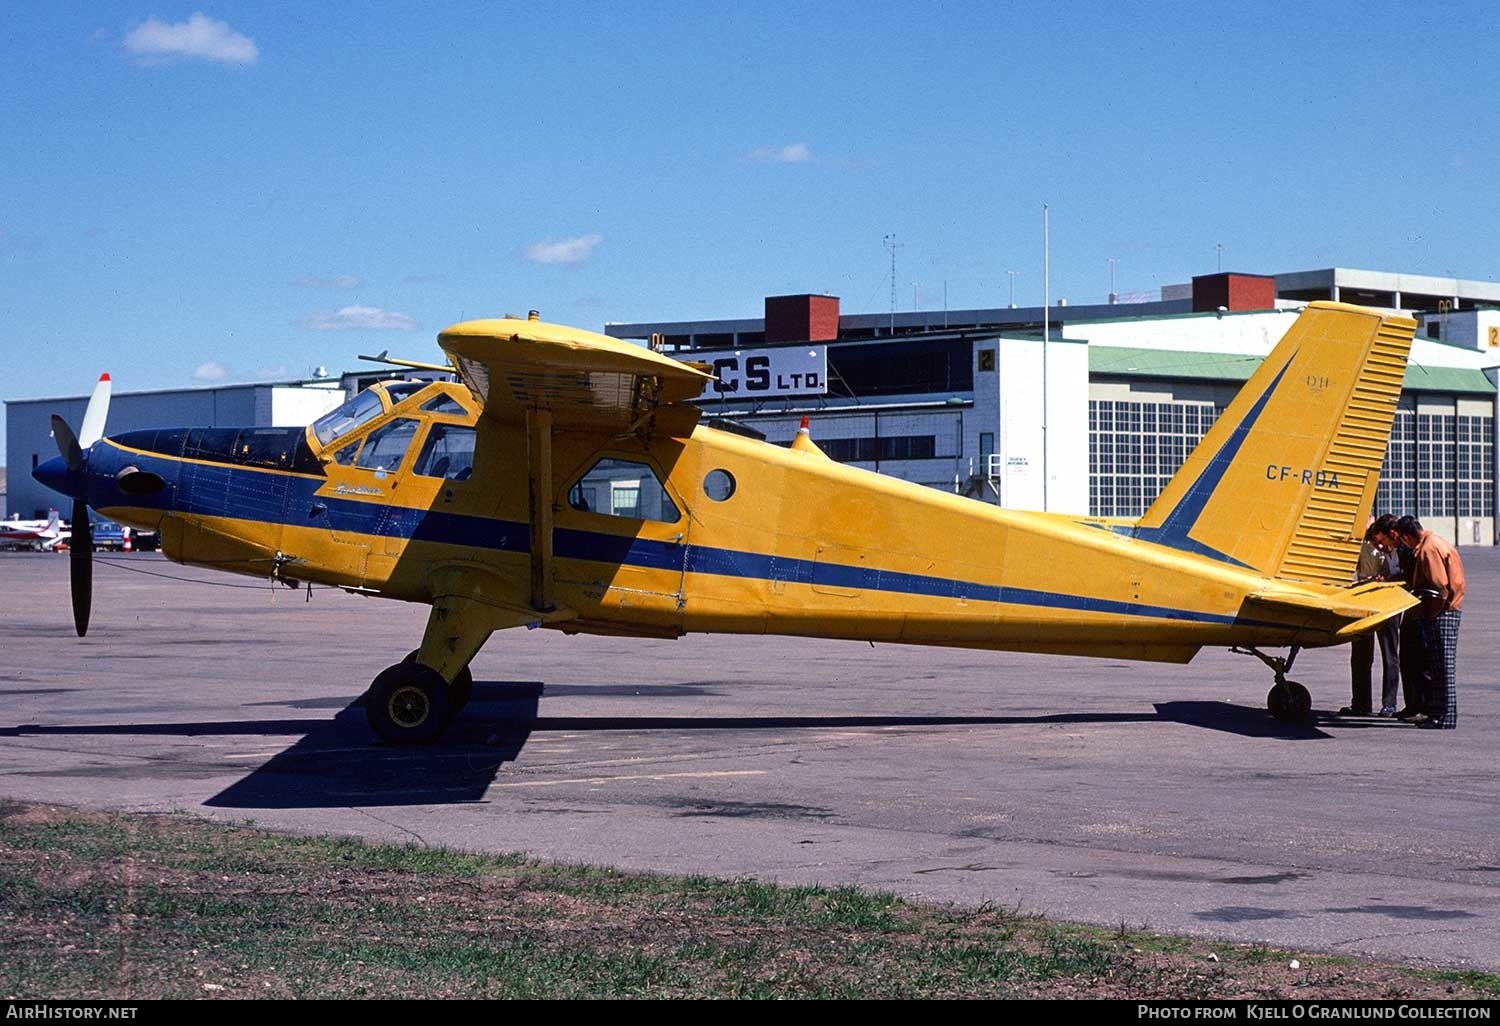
x: 1343, y: 613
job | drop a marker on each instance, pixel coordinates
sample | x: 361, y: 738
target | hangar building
x: 1097, y: 416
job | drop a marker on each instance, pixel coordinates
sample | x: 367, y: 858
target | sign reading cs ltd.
x: 765, y: 373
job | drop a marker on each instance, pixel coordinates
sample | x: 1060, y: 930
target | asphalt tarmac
x: 1088, y: 790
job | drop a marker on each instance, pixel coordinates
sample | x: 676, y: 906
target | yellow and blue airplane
x: 569, y: 483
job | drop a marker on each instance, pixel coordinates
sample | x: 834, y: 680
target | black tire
x: 408, y: 704
x: 459, y: 692
x: 1289, y: 702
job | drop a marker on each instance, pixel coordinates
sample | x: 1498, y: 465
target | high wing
x: 549, y: 378
x: 582, y: 380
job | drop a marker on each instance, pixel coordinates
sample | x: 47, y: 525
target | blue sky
x: 229, y: 191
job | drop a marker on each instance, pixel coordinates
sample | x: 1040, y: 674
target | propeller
x: 74, y: 449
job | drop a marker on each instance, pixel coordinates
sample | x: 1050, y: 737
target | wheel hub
x: 409, y: 707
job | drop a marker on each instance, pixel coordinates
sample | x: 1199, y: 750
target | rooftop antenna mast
x: 892, y: 245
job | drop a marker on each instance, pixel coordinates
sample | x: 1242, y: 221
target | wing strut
x: 539, y: 478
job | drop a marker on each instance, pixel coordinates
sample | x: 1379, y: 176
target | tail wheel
x: 459, y: 692
x: 408, y: 704
x: 1289, y: 702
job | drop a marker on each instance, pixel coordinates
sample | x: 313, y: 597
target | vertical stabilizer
x: 1284, y: 480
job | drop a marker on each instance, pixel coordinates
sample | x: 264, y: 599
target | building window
x: 1435, y: 452
x: 888, y: 447
x: 1476, y: 467
x: 1439, y: 465
x: 1136, y: 447
x: 1398, y: 473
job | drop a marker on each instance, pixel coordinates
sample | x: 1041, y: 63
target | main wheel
x: 1289, y: 702
x: 408, y: 704
x: 459, y: 692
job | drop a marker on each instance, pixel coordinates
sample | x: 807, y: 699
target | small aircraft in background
x: 568, y: 483
x: 42, y: 535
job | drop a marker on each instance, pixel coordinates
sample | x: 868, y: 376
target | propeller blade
x: 81, y: 566
x: 67, y: 443
x: 93, y: 417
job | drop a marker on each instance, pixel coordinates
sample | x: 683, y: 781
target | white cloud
x: 563, y: 251
x: 338, y: 281
x: 359, y: 318
x: 200, y: 36
x: 794, y: 153
x: 213, y: 370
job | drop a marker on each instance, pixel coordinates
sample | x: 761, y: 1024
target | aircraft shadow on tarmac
x: 336, y: 763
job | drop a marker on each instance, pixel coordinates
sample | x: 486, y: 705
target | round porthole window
x: 718, y: 485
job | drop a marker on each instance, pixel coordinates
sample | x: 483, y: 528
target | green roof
x: 1167, y: 363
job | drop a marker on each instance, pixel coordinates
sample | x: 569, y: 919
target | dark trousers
x: 1362, y: 660
x: 1414, y: 661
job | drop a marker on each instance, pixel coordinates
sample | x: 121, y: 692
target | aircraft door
x: 359, y: 500
x: 623, y: 540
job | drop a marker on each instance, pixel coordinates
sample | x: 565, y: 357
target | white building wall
x: 298, y: 404
x: 1043, y: 442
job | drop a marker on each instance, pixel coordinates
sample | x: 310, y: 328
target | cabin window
x: 387, y: 445
x: 622, y: 488
x: 718, y: 485
x: 448, y: 453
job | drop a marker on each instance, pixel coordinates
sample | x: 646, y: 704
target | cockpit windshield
x: 362, y: 408
x: 347, y: 417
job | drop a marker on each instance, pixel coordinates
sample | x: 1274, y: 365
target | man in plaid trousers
x: 1438, y: 582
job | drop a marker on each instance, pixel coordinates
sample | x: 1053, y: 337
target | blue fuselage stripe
x: 277, y: 497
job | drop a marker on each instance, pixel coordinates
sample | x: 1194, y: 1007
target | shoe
x: 1349, y: 710
x: 1407, y: 713
x: 1420, y: 719
x: 1387, y: 712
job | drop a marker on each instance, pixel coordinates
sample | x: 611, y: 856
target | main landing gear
x: 1288, y: 701
x: 411, y: 703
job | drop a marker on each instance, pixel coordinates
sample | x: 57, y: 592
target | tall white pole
x: 1046, y: 332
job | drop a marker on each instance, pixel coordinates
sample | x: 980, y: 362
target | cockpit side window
x: 402, y: 390
x: 449, y: 453
x: 345, y: 456
x: 347, y: 417
x: 387, y: 444
x: 445, y: 404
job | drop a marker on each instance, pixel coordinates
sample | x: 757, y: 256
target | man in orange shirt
x: 1438, y: 582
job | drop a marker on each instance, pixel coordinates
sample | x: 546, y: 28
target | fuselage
x: 697, y: 530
